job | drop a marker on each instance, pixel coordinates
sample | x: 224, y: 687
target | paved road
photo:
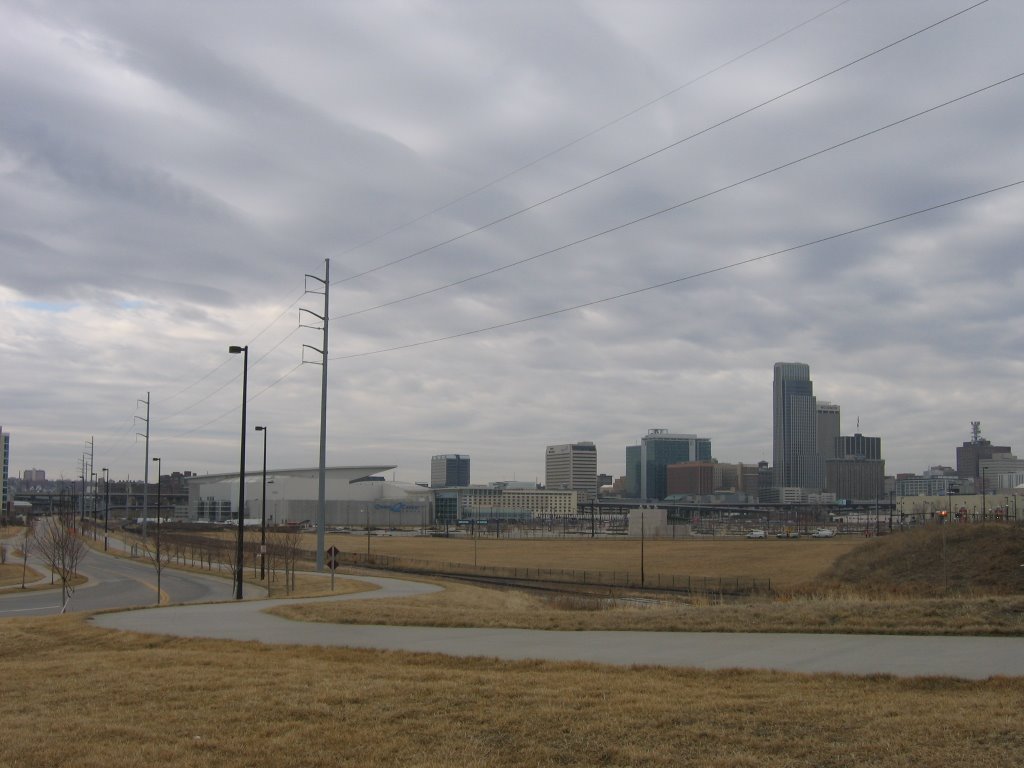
x: 115, y: 582
x: 965, y: 657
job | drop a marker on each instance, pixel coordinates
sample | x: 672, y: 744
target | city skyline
x: 850, y: 444
x: 170, y: 176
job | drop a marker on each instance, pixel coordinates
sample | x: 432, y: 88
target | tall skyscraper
x: 571, y: 467
x: 858, y: 446
x: 449, y: 470
x: 658, y: 449
x: 970, y: 455
x: 857, y: 470
x: 828, y: 429
x: 795, y: 456
x: 632, y: 488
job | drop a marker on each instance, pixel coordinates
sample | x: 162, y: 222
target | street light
x: 159, y: 471
x: 950, y: 490
x: 106, y: 506
x: 244, y: 351
x: 263, y: 515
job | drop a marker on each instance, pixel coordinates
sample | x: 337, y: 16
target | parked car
x: 787, y: 535
x: 757, y: 535
x: 823, y: 533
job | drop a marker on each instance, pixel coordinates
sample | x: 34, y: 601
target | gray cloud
x: 172, y: 171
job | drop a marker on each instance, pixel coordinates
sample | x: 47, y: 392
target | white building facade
x: 571, y: 467
x: 355, y: 496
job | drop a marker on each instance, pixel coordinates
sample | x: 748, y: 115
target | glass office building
x: 658, y: 449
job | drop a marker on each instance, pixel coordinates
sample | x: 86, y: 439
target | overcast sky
x: 169, y: 172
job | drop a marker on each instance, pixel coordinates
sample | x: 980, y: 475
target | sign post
x: 332, y: 562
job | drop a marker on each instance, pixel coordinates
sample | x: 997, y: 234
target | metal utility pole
x: 642, y: 537
x: 86, y: 472
x: 95, y: 501
x: 159, y: 563
x: 240, y: 554
x: 263, y: 512
x: 106, y: 506
x: 145, y: 475
x: 321, y: 510
x: 984, y: 490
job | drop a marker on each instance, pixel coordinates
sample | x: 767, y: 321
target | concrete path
x: 964, y: 657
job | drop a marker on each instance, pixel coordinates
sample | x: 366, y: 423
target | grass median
x: 461, y: 605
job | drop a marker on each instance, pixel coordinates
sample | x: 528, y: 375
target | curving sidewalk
x: 904, y: 656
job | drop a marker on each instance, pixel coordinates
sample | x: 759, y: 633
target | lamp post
x: 950, y: 490
x: 244, y: 351
x: 263, y: 514
x: 159, y: 472
x: 106, y: 506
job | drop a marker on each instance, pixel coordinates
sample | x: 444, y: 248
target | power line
x: 583, y: 137
x: 656, y: 152
x: 230, y: 381
x: 230, y: 411
x: 679, y: 205
x: 566, y: 192
x: 684, y: 278
x: 216, y: 368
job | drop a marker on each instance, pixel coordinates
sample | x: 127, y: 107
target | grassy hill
x: 984, y: 558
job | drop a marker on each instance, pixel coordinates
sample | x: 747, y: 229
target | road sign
x: 333, y: 561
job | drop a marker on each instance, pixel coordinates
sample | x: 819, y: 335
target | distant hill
x: 980, y: 559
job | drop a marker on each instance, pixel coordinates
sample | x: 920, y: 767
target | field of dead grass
x: 138, y: 701
x: 10, y: 574
x: 933, y: 560
x: 315, y: 585
x: 787, y: 563
x: 462, y: 605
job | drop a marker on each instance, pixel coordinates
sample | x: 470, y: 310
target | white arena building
x: 354, y: 496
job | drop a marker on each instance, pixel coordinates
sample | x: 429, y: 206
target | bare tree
x: 61, y: 548
x: 286, y: 546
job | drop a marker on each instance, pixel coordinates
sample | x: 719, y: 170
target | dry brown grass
x: 10, y: 574
x: 462, y: 605
x: 139, y: 701
x: 787, y: 563
x: 314, y: 585
x: 9, y: 579
x: 978, y: 557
